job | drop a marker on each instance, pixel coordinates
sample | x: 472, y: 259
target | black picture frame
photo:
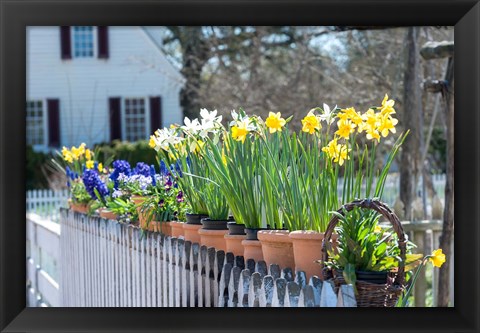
x: 16, y: 15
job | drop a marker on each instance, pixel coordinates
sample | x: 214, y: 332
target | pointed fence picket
x: 109, y: 264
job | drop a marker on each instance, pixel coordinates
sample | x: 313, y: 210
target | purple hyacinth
x: 119, y: 167
x: 153, y: 175
x: 142, y: 169
x: 92, y: 181
x: 163, y: 169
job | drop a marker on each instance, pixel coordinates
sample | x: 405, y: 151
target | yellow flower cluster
x: 81, y: 153
x: 74, y: 154
x: 337, y: 152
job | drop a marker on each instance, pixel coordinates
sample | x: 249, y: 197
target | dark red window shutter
x: 115, y: 118
x: 53, y: 109
x: 102, y: 34
x: 65, y: 43
x: 155, y: 113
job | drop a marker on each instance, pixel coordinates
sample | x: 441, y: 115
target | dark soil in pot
x: 235, y: 229
x: 252, y: 233
x: 370, y: 277
x: 195, y: 218
x: 209, y: 224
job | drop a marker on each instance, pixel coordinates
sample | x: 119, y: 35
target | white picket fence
x: 105, y: 263
x: 46, y: 203
x: 43, y: 250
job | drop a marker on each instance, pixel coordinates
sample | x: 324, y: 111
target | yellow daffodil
x: 377, y: 229
x: 100, y: 167
x: 81, y: 148
x: 68, y: 157
x: 342, y: 154
x: 224, y: 158
x: 353, y: 116
x: 387, y: 124
x: 275, y: 122
x: 331, y: 148
x: 88, y: 154
x: 311, y: 123
x: 370, y: 125
x: 199, y: 146
x: 90, y: 164
x: 345, y: 128
x: 152, y: 143
x: 437, y: 258
x: 65, y: 151
x: 387, y: 106
x: 240, y: 131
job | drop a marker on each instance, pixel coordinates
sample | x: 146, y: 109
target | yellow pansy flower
x: 89, y: 164
x: 239, y: 132
x: 437, y: 258
x: 275, y: 122
x: 311, y: 123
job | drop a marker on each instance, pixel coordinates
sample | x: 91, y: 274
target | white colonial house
x: 95, y: 84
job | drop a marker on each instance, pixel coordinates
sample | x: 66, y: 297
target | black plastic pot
x: 252, y: 233
x: 372, y: 277
x: 235, y: 229
x: 209, y: 224
x: 195, y: 218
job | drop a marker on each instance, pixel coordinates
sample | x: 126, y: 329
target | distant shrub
x: 35, y: 169
x: 132, y: 152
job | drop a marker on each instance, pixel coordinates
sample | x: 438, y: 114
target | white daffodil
x: 210, y: 117
x: 327, y: 114
x: 191, y: 126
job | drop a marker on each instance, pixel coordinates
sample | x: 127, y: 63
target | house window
x: 83, y: 41
x: 35, y: 123
x: 135, y: 119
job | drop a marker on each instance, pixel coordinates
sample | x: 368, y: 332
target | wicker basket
x: 370, y: 294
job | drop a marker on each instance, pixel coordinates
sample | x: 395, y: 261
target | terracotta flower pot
x: 162, y: 227
x: 233, y: 244
x: 107, y: 214
x: 190, y: 232
x: 252, y: 249
x: 137, y: 200
x: 195, y: 218
x: 78, y: 207
x: 307, y: 248
x: 213, y: 238
x: 277, y: 248
x: 177, y: 229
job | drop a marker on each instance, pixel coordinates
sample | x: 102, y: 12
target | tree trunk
x: 195, y: 55
x: 412, y: 119
x: 447, y: 231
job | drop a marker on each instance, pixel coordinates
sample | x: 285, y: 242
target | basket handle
x: 381, y: 208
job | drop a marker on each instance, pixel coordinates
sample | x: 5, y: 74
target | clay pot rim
x: 307, y: 235
x: 176, y: 223
x: 212, y: 232
x: 228, y: 236
x: 249, y: 242
x: 275, y: 236
x: 191, y: 226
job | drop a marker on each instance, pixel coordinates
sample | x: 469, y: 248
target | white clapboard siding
x: 135, y: 68
x: 109, y: 264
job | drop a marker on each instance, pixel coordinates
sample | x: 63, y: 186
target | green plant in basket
x: 366, y: 247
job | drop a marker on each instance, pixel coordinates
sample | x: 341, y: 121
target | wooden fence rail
x: 46, y: 203
x: 105, y: 263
